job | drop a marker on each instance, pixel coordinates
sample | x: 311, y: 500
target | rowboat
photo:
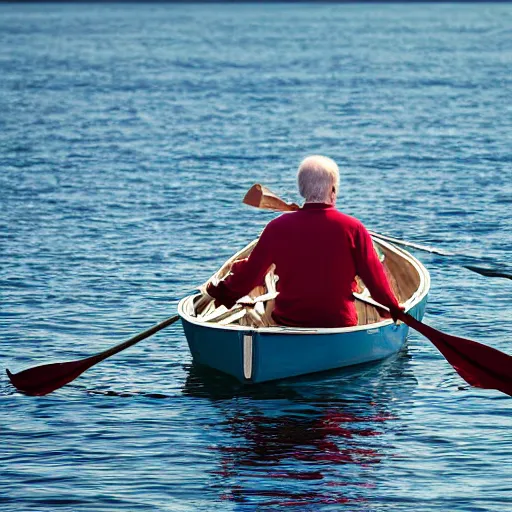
x: 245, y: 342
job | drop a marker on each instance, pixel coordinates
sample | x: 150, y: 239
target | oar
x: 479, y: 365
x: 43, y: 379
x: 260, y: 196
x: 397, y: 241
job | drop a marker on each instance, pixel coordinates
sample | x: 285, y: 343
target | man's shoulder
x: 286, y: 220
x: 282, y: 220
x: 348, y: 221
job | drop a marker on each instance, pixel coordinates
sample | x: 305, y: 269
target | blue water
x: 128, y: 137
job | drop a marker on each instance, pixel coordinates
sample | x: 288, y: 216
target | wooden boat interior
x: 255, y: 309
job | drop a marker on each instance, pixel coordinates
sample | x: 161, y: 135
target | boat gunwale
x: 416, y: 298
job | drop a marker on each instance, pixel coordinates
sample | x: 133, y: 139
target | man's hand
x: 395, y: 312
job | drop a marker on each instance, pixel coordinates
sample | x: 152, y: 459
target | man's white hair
x: 316, y: 177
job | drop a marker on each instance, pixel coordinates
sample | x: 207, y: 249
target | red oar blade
x: 46, y: 378
x: 478, y: 364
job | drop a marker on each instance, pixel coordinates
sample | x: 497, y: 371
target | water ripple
x: 129, y: 135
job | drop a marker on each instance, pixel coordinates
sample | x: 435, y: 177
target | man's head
x: 318, y: 179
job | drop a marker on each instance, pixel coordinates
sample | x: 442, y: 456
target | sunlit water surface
x: 129, y: 135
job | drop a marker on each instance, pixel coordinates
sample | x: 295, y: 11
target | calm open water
x: 128, y: 137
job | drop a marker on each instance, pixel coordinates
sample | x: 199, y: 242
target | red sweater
x: 317, y: 252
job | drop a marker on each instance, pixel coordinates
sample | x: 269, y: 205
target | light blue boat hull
x: 260, y: 355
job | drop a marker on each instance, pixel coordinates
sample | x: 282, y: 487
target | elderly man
x: 317, y: 252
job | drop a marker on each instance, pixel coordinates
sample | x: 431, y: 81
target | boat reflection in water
x: 301, y: 443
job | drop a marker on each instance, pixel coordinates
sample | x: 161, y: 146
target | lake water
x: 128, y: 137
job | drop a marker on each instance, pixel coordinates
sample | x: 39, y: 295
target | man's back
x: 313, y: 250
x: 317, y: 252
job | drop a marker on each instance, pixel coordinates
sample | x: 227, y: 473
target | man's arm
x: 246, y: 274
x: 371, y: 270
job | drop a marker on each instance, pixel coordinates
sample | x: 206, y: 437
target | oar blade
x: 478, y: 364
x: 261, y: 197
x: 488, y: 272
x: 254, y: 196
x: 46, y: 378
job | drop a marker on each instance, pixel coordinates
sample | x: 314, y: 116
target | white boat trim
x: 247, y: 356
